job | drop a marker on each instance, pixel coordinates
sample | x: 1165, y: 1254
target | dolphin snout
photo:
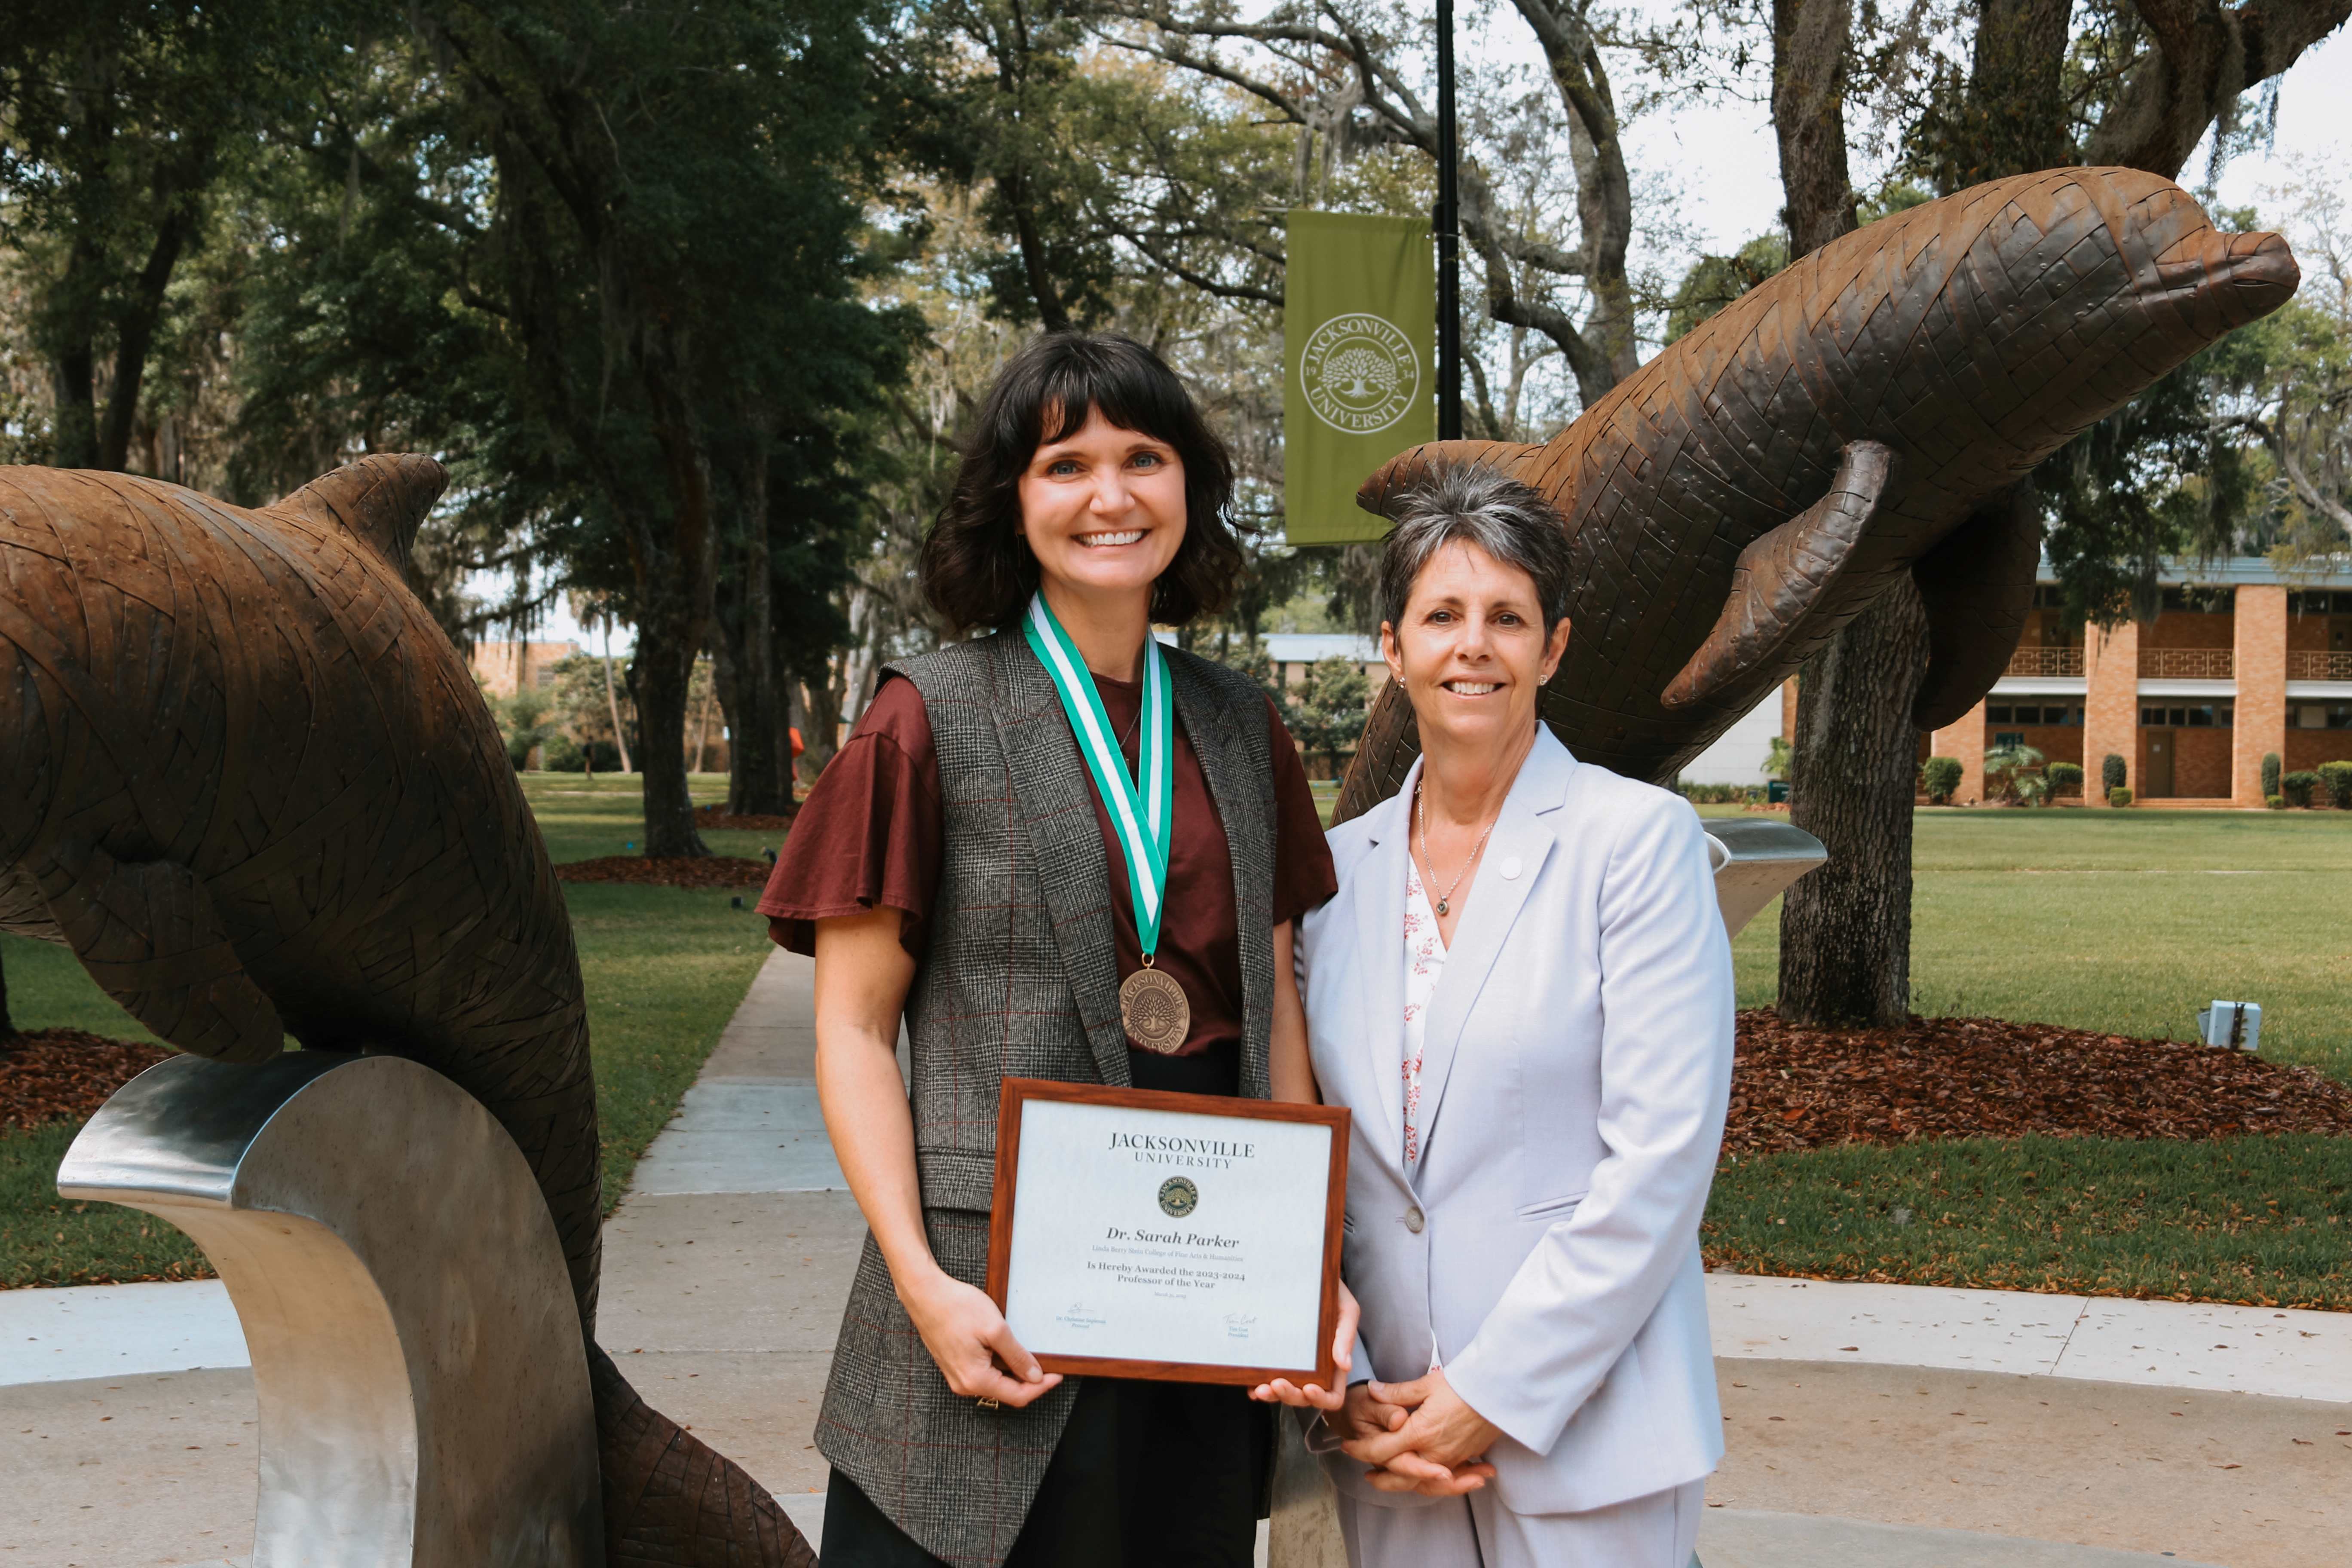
x: 2257, y: 274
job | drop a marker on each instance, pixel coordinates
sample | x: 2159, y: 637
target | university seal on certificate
x: 1183, y: 1236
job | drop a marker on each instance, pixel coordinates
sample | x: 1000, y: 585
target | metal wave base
x: 1755, y: 861
x: 417, y: 1357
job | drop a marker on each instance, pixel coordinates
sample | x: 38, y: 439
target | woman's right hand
x: 968, y: 1337
x: 1366, y: 1415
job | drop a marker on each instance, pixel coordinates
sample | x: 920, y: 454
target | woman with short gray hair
x: 1523, y: 993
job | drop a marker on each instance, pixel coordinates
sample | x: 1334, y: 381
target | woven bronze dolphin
x: 253, y: 787
x: 1868, y: 412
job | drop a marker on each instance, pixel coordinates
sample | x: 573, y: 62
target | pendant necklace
x: 1421, y: 817
x: 1152, y: 1006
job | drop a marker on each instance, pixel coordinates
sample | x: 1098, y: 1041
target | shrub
x: 2065, y: 778
x: 2297, y: 787
x: 562, y: 755
x: 1780, y: 758
x: 2270, y: 775
x: 2112, y: 776
x: 1716, y: 793
x: 2119, y: 797
x: 2337, y: 777
x: 2015, y: 772
x: 2275, y: 801
x: 1940, y: 776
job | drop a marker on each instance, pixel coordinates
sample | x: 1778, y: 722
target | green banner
x: 1360, y: 365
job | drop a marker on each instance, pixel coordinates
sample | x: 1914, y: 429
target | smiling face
x: 1471, y: 649
x: 1103, y: 510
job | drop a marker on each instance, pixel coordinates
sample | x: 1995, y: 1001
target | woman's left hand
x: 1282, y: 1390
x: 1439, y: 1446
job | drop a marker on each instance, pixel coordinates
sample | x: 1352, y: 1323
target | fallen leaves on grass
x: 1961, y: 1078
x: 717, y: 818
x: 698, y: 871
x: 60, y: 1075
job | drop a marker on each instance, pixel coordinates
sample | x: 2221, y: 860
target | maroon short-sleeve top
x: 869, y: 836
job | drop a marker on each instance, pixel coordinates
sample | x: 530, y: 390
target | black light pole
x: 1449, y: 241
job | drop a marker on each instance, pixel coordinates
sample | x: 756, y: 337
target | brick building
x: 2240, y: 661
x: 507, y: 668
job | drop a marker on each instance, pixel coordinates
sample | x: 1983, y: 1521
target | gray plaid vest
x: 1020, y: 980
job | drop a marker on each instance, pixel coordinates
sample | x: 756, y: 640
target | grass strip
x: 2258, y: 1220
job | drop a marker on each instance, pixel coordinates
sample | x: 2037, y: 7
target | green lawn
x: 2125, y: 921
x: 664, y: 970
x: 2266, y: 1221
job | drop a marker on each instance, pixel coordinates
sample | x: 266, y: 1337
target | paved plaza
x: 1869, y: 1426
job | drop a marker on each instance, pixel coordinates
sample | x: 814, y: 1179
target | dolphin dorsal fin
x: 380, y: 501
x: 1785, y: 575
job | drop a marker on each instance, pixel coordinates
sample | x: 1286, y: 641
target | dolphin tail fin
x: 1785, y: 576
x: 670, y: 1499
x: 379, y: 500
x: 1978, y: 585
x: 150, y: 936
x: 1416, y: 463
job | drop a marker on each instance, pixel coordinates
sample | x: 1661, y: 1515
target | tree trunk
x: 1845, y: 930
x: 613, y: 703
x: 660, y: 677
x: 134, y: 328
x: 1809, y: 78
x: 759, y: 752
x: 8, y: 1025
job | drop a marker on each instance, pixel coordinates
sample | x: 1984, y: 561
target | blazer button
x: 1413, y: 1220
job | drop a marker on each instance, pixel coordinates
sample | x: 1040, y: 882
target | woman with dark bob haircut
x: 1061, y: 850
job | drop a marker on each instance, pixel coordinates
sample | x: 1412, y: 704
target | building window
x: 547, y: 677
x: 2195, y: 716
x: 2201, y: 601
x: 2007, y: 738
x: 2047, y: 714
x: 2320, y: 602
x: 2322, y: 716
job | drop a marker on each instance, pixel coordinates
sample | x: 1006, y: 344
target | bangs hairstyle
x: 976, y: 569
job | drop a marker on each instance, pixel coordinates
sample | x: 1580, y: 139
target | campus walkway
x: 1869, y: 1426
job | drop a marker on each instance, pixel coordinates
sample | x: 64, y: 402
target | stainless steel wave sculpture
x: 1867, y: 412
x: 254, y: 788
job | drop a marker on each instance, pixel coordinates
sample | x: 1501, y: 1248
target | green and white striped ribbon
x: 1140, y: 820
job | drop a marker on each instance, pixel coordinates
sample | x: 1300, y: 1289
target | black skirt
x: 1147, y: 1475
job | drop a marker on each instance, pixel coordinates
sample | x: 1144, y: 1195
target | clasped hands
x: 1417, y: 1436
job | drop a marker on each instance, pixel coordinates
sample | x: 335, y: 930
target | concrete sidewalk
x: 1868, y: 1427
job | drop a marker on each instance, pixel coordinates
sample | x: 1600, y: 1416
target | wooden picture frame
x: 1019, y: 1092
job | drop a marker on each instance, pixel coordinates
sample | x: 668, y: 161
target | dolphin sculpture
x: 252, y: 786
x: 1871, y: 410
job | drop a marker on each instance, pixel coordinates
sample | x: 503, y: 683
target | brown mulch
x: 1968, y: 1078
x: 58, y: 1074
x: 702, y: 871
x: 716, y: 817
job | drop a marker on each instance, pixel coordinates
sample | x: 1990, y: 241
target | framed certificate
x: 1183, y: 1236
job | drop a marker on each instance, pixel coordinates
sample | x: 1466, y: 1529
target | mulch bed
x: 717, y: 818
x: 1987, y: 1078
x: 58, y: 1074
x: 727, y: 871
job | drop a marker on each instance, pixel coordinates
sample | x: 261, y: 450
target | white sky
x: 1730, y: 174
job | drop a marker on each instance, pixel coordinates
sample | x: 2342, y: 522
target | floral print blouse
x: 1424, y: 965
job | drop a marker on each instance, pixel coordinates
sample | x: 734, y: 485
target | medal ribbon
x: 1140, y: 820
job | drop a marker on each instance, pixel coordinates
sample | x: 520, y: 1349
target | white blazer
x: 1574, y: 1077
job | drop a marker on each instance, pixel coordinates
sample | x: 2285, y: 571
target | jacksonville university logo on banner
x: 1359, y: 329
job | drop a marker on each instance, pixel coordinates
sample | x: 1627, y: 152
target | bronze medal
x: 1154, y: 1008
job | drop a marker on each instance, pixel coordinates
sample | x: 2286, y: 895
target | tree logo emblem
x: 1178, y: 1197
x: 1361, y: 375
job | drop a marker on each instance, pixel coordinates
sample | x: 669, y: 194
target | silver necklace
x: 1421, y: 817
